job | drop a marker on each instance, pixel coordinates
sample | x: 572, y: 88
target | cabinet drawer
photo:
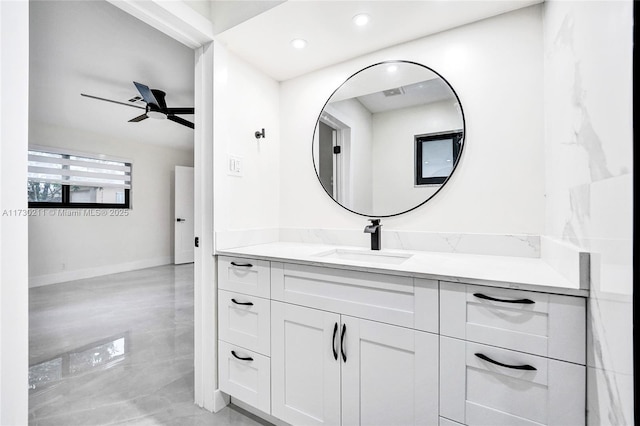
x: 247, y: 379
x: 477, y: 391
x: 244, y: 320
x: 537, y: 323
x: 386, y: 298
x: 247, y: 276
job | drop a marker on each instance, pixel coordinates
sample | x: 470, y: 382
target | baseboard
x: 220, y: 400
x: 80, y: 274
x: 260, y: 414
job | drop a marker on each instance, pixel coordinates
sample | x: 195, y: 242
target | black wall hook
x: 260, y: 134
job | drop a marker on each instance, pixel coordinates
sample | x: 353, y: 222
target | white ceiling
x: 95, y: 48
x: 225, y: 14
x: 264, y: 40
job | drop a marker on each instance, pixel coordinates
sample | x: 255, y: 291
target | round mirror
x: 388, y: 138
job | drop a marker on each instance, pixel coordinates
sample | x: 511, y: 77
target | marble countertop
x: 532, y: 274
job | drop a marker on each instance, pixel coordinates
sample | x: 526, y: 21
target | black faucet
x: 374, y: 230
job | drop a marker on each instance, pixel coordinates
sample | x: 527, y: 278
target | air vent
x: 135, y: 99
x: 393, y: 92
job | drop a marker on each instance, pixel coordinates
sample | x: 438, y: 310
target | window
x: 57, y: 179
x: 436, y: 156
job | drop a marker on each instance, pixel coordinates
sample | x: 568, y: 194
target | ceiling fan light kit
x: 156, y: 106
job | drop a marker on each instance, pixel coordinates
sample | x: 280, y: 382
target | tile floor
x: 117, y: 349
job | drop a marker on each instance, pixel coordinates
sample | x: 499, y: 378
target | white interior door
x: 183, y: 220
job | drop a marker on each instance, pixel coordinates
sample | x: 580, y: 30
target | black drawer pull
x: 333, y: 342
x: 344, y: 355
x: 514, y: 367
x: 522, y: 301
x: 242, y: 265
x: 240, y: 357
x: 242, y: 303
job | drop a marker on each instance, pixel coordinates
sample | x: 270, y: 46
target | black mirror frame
x: 462, y: 141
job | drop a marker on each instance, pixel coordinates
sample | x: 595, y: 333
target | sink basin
x: 365, y: 256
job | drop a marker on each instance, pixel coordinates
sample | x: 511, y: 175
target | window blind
x: 78, y: 170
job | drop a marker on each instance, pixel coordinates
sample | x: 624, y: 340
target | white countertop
x: 498, y: 271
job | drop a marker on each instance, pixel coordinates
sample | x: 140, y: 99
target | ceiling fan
x: 156, y: 106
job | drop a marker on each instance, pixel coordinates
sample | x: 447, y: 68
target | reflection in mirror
x: 388, y: 138
x: 435, y: 156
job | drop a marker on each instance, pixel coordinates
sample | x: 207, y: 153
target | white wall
x: 495, y: 66
x: 245, y: 101
x: 589, y: 175
x: 66, y: 248
x: 14, y: 113
x: 394, y: 152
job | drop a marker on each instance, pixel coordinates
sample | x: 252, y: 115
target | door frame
x: 14, y: 276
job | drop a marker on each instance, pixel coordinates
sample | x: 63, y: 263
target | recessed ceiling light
x: 392, y: 68
x: 361, y: 19
x: 299, y: 43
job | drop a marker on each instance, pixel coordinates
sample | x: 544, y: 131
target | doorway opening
x: 79, y: 250
x: 334, y: 157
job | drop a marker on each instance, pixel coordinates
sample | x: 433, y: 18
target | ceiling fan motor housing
x: 157, y: 111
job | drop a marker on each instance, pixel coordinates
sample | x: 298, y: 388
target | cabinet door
x: 390, y: 376
x: 305, y: 382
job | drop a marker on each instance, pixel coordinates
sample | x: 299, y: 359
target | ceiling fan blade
x: 184, y: 110
x: 139, y: 118
x: 180, y: 121
x: 147, y: 94
x: 109, y: 100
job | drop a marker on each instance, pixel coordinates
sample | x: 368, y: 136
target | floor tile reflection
x: 117, y: 349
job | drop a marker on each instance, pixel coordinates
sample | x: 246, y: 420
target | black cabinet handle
x: 240, y: 357
x: 344, y: 330
x: 514, y: 367
x: 522, y: 301
x: 333, y: 342
x: 242, y: 265
x: 242, y: 303
x: 181, y: 220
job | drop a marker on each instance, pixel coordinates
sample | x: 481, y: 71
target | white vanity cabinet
x: 316, y: 345
x: 331, y: 369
